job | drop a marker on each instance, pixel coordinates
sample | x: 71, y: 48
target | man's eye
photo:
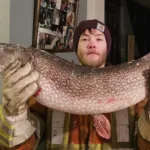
x: 99, y: 39
x: 84, y: 39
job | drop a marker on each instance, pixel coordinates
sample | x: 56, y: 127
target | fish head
x: 9, y: 53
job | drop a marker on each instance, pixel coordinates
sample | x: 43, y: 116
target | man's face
x: 92, y: 48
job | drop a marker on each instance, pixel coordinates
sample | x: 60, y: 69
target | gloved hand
x: 19, y: 84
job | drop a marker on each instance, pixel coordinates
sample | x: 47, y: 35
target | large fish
x: 82, y: 90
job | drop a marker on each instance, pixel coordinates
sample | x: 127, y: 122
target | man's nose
x: 91, y: 45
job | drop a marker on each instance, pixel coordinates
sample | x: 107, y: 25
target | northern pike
x: 80, y: 89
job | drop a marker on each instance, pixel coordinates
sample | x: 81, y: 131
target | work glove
x: 19, y: 84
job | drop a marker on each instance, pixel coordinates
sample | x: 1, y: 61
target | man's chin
x: 93, y: 57
x: 94, y: 63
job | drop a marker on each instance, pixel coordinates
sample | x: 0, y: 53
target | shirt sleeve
x: 15, y: 130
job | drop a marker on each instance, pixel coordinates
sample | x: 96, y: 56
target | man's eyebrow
x: 99, y: 34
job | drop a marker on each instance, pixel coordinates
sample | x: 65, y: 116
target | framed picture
x: 54, y: 24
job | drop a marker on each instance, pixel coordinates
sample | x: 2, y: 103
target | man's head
x: 92, y: 42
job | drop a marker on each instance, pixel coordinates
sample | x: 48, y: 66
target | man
x: 92, y: 42
x: 21, y: 129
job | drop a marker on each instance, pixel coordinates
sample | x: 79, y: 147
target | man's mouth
x: 92, y: 52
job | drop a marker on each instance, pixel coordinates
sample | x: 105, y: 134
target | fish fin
x: 102, y: 126
x: 144, y: 126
